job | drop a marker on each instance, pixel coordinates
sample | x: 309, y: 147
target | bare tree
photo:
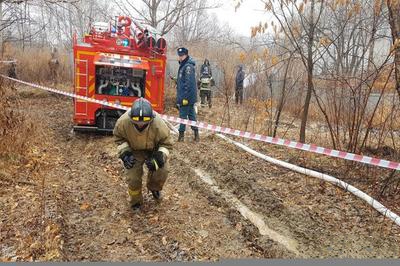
x: 50, y: 22
x: 197, y: 25
x: 162, y: 15
x: 394, y: 21
x: 341, y: 45
x: 299, y: 25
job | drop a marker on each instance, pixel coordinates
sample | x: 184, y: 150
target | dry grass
x: 33, y: 64
x: 15, y: 129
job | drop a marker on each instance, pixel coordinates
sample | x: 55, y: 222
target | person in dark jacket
x: 205, y: 83
x: 239, y: 85
x: 186, y: 96
x: 205, y: 70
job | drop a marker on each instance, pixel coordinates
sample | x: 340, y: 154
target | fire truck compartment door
x: 121, y: 61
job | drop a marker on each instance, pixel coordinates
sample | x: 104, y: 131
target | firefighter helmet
x: 141, y: 112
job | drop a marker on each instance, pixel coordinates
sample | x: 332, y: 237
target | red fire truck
x: 117, y: 62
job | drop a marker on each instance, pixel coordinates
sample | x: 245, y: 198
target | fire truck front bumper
x: 92, y: 129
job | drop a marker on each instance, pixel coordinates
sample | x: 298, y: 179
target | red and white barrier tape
x: 278, y: 141
x: 8, y: 61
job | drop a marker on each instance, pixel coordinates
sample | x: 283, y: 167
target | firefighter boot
x: 134, y: 180
x: 196, y: 135
x: 181, y: 136
x: 136, y: 199
x: 156, y: 194
x: 156, y: 181
x: 136, y: 207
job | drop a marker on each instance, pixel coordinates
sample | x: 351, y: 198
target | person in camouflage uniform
x: 239, y: 80
x: 54, y: 65
x: 12, y: 70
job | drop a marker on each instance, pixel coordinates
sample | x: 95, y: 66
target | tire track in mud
x: 270, y: 243
x: 249, y: 215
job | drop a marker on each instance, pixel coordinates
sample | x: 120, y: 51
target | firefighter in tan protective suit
x: 143, y: 138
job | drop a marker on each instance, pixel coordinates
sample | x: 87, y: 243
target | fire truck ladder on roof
x: 82, y: 83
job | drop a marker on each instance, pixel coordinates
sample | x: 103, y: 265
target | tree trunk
x: 304, y: 117
x: 282, y: 99
x: 310, y: 69
x: 1, y: 29
x: 394, y: 20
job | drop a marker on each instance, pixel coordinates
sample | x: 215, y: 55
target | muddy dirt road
x: 77, y: 205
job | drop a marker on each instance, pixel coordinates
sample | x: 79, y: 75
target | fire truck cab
x: 117, y: 62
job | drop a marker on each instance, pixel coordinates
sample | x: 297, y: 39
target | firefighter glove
x: 156, y: 161
x: 173, y: 78
x: 185, y: 102
x: 128, y: 159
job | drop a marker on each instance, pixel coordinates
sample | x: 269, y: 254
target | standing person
x: 54, y: 64
x: 12, y: 70
x: 143, y: 138
x: 186, y: 92
x: 205, y: 83
x: 239, y: 85
x: 205, y: 70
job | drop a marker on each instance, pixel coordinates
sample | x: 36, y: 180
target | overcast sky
x: 249, y: 14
